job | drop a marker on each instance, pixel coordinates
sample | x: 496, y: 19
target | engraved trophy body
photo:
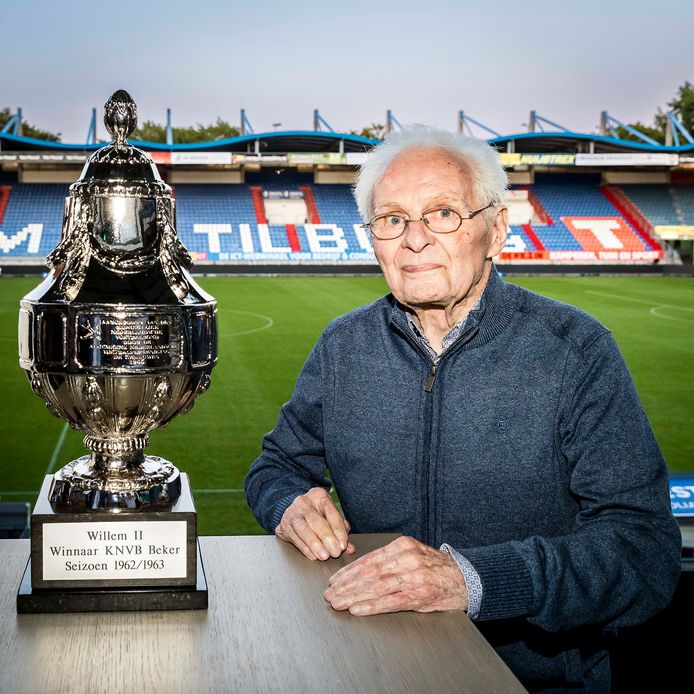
x: 118, y: 340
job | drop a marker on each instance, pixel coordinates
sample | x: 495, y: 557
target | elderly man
x: 497, y: 431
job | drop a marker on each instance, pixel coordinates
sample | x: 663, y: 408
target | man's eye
x: 393, y: 220
x: 443, y: 213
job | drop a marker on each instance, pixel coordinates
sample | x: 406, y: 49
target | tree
x: 29, y: 130
x: 683, y: 102
x: 150, y: 131
x: 375, y: 131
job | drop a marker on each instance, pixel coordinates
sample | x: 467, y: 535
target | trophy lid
x: 120, y: 219
x: 116, y: 168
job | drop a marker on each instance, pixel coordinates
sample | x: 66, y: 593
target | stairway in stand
x: 631, y: 213
x: 4, y: 200
x: 311, y: 206
x: 258, y: 206
x: 539, y: 246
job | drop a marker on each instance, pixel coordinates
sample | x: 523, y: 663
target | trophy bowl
x: 118, y: 339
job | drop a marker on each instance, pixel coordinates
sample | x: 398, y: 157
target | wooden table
x: 267, y: 629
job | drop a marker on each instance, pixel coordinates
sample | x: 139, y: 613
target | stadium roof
x: 319, y: 141
x: 281, y: 141
x: 568, y: 142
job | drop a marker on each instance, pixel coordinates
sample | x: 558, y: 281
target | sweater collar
x: 496, y: 307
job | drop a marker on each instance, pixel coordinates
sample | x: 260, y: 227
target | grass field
x: 267, y: 327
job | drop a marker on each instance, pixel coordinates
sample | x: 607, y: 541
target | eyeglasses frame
x: 470, y: 214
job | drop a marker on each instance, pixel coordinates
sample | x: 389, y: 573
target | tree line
x: 150, y: 131
x: 29, y: 130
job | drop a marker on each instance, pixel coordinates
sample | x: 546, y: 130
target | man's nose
x: 417, y: 235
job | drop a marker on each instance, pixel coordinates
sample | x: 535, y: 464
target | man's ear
x: 499, y: 232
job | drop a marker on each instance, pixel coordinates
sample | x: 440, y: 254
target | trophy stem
x: 116, y: 465
x: 114, y: 457
x: 116, y: 475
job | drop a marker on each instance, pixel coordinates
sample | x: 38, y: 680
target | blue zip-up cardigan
x: 526, y: 448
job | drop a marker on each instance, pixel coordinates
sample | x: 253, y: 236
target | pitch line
x: 655, y: 307
x: 268, y: 322
x: 56, y: 449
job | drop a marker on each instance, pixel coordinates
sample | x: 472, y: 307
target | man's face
x: 424, y: 269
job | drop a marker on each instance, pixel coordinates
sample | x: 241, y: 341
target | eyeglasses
x: 442, y: 220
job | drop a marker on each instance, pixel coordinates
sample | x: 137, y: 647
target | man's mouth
x: 421, y: 267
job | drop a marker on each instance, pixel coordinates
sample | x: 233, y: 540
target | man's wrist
x: 281, y: 506
x: 471, y: 578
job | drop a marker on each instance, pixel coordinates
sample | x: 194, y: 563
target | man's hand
x: 314, y: 525
x: 404, y: 575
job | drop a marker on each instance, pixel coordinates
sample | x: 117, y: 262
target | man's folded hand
x: 313, y: 524
x: 403, y: 575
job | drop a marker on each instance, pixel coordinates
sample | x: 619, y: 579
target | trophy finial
x: 120, y: 116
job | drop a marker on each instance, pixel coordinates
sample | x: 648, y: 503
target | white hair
x: 479, y: 158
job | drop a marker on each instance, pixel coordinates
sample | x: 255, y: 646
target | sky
x: 352, y: 60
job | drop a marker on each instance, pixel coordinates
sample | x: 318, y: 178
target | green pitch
x: 267, y: 327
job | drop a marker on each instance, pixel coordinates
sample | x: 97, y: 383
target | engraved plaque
x: 128, y: 550
x: 131, y: 342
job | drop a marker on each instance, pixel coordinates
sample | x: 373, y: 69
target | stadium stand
x: 568, y: 218
x: 663, y: 204
x: 683, y: 196
x: 577, y: 220
x: 32, y: 220
x: 520, y: 239
x: 283, y: 196
x: 235, y: 221
x: 629, y: 211
x: 204, y: 214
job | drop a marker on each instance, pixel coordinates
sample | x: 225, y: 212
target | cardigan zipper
x: 429, y: 385
x: 430, y: 533
x: 429, y: 407
x: 429, y: 413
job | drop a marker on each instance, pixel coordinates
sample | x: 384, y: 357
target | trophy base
x: 110, y: 599
x: 125, y: 549
x: 155, y: 483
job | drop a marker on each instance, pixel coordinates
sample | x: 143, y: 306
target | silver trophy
x: 119, y: 339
